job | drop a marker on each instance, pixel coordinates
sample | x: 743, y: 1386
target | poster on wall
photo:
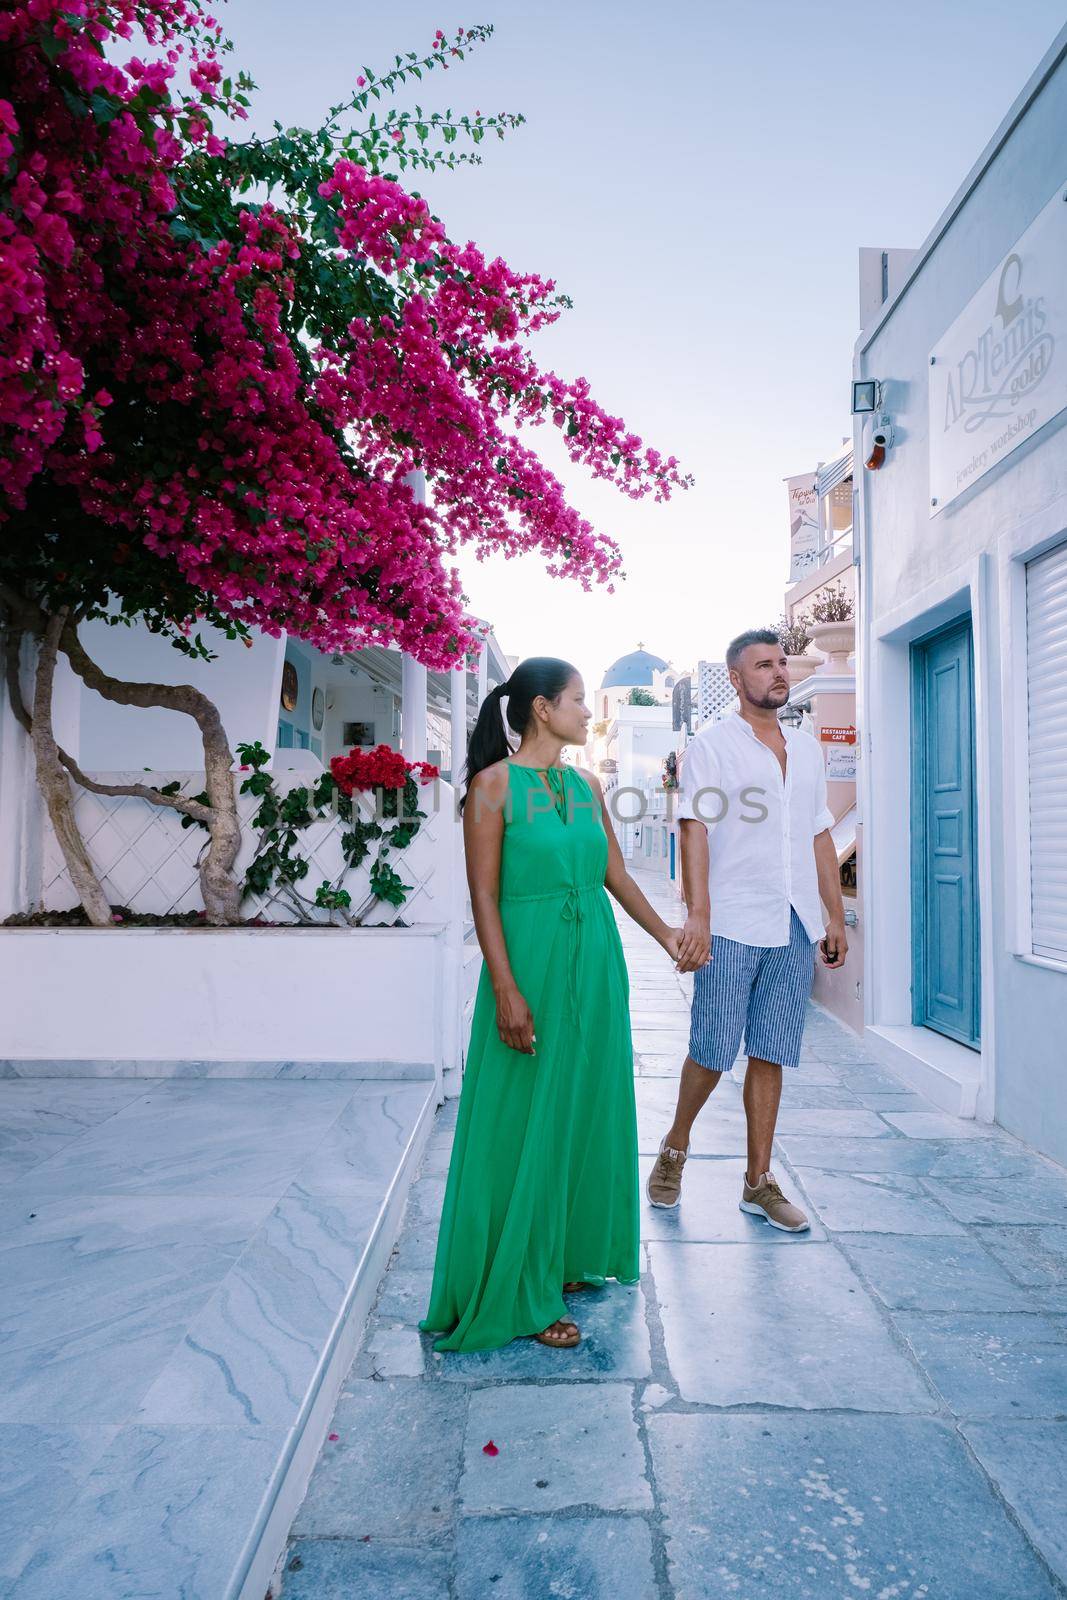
x: 841, y: 763
x: 840, y: 746
x: 999, y: 373
x: 803, y: 525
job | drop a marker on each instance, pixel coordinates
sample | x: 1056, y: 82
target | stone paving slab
x: 1007, y: 1364
x: 851, y: 1124
x: 559, y: 1445
x: 393, y: 1471
x: 575, y: 1558
x: 163, y: 1511
x: 251, y: 1353
x: 1027, y: 1461
x: 819, y: 1507
x: 391, y: 1352
x: 1033, y: 1256
x: 793, y: 1327
x: 1020, y: 1200
x: 344, y: 1569
x: 921, y: 1157
x: 803, y: 1096
x: 41, y: 1473
x: 875, y: 1202
x: 932, y: 1274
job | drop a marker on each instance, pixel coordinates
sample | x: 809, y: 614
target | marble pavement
x: 876, y: 1408
x: 176, y: 1258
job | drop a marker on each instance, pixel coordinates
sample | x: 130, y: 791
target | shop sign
x: 803, y: 525
x: 1000, y: 371
x: 841, y: 752
x: 841, y: 763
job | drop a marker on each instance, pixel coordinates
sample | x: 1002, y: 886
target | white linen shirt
x: 761, y: 829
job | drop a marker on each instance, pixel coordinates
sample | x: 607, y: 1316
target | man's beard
x: 773, y: 700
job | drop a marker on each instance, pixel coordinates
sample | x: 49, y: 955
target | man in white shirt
x: 757, y: 858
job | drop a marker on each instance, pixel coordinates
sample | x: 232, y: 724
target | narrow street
x: 866, y: 1408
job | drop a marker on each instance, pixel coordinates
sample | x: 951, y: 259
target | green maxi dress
x: 543, y: 1182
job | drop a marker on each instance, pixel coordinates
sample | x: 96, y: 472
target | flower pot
x: 801, y: 667
x: 836, y: 640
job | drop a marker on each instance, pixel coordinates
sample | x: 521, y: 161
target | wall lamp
x: 866, y: 395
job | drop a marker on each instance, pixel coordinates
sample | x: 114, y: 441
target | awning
x: 833, y: 473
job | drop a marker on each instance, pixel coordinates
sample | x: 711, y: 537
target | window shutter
x: 1046, y: 677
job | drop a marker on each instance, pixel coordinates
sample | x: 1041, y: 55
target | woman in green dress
x: 542, y: 1191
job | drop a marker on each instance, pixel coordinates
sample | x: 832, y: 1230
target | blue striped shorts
x: 760, y: 991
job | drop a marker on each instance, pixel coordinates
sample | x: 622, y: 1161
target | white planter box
x: 232, y: 1002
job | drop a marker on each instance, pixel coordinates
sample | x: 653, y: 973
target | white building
x: 629, y: 747
x: 639, y: 669
x: 962, y: 544
x: 823, y: 701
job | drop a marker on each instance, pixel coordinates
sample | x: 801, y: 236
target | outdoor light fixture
x: 877, y: 439
x: 866, y: 395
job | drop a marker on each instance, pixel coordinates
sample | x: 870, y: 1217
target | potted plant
x: 796, y: 640
x: 833, y: 626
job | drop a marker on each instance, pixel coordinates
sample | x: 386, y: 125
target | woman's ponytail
x: 537, y: 675
x: 488, y: 741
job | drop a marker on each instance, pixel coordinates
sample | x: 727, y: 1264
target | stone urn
x: 836, y: 640
x: 801, y: 667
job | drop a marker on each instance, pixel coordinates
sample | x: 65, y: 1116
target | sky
x: 699, y: 177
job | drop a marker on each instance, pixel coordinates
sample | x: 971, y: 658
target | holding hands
x: 689, y: 947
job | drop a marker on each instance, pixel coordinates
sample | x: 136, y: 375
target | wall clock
x: 290, y: 686
x: 318, y: 709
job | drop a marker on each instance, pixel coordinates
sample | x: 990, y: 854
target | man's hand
x: 694, y: 947
x: 514, y: 1022
x: 833, y: 947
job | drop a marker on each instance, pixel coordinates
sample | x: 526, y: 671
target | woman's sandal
x: 572, y: 1288
x: 567, y: 1343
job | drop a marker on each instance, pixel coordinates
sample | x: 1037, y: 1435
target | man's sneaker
x: 664, y: 1186
x: 766, y: 1200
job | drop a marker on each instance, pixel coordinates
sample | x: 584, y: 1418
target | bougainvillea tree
x: 223, y: 358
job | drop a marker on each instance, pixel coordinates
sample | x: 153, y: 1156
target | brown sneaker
x: 664, y: 1186
x: 766, y: 1200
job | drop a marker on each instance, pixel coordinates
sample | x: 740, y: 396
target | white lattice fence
x: 146, y: 860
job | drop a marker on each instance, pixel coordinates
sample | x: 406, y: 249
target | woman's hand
x: 672, y: 943
x: 514, y: 1022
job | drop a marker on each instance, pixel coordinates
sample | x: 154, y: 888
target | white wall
x: 243, y: 682
x: 919, y: 572
x: 151, y: 995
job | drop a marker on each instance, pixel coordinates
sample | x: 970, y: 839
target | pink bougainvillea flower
x: 490, y: 1449
x: 277, y: 490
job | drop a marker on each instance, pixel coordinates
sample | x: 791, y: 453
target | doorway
x: 946, y: 969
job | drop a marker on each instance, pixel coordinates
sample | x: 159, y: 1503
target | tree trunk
x: 222, y: 893
x: 55, y: 785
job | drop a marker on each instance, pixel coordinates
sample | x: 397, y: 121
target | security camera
x: 877, y: 440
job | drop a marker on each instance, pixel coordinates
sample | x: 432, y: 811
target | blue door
x: 946, y: 979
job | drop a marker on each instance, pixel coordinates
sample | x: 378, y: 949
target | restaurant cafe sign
x: 999, y: 373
